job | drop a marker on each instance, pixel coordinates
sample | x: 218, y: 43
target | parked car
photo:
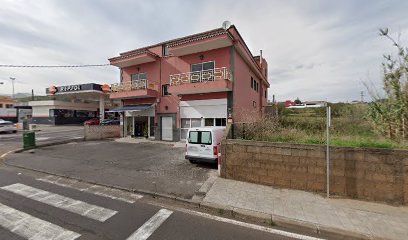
x: 93, y: 121
x: 7, y: 126
x: 113, y: 121
x: 203, y: 144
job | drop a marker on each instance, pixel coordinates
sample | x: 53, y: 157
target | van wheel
x: 192, y: 161
x: 14, y: 131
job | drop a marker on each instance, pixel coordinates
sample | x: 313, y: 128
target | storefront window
x: 151, y: 126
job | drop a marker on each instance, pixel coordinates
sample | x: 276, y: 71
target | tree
x: 297, y: 101
x: 390, y: 113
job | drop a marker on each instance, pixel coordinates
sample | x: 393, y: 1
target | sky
x: 316, y: 50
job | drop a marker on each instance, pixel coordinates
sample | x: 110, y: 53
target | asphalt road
x: 47, y: 134
x: 145, y: 166
x: 43, y: 207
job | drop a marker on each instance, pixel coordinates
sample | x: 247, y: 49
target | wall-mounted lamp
x: 138, y: 69
x: 201, y: 57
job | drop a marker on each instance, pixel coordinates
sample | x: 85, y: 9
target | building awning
x: 134, y: 108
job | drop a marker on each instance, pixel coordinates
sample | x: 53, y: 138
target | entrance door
x: 139, y: 129
x: 167, y: 128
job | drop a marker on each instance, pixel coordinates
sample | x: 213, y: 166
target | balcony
x: 206, y: 81
x: 134, y: 58
x: 200, y: 43
x: 134, y: 89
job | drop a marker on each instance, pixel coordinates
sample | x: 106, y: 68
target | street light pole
x: 12, y: 81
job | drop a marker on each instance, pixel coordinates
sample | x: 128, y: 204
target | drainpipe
x: 260, y: 59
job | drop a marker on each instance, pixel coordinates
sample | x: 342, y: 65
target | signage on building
x: 69, y: 88
x: 87, y: 87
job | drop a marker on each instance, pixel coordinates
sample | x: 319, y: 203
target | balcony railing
x: 200, y: 76
x: 129, y: 86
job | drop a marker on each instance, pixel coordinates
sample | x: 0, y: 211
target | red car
x: 93, y: 121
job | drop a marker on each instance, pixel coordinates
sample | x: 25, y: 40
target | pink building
x: 203, y: 79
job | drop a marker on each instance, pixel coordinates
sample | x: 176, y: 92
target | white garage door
x: 167, y: 128
x: 212, y: 108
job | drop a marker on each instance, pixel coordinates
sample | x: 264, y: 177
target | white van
x: 203, y: 144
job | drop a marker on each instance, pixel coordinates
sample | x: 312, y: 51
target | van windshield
x: 200, y: 137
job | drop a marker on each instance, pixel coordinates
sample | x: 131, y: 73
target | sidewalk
x: 147, y: 140
x: 310, y: 211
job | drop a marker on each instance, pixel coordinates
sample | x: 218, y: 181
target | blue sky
x: 316, y: 50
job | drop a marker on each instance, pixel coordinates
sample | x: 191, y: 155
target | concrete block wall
x: 369, y: 174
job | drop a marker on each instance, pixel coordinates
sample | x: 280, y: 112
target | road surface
x: 49, y: 207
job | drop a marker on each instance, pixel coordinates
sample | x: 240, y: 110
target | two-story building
x: 205, y: 79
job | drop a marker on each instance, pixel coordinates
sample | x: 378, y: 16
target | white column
x: 148, y: 126
x: 101, y: 107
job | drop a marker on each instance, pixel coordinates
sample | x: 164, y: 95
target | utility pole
x: 362, y: 96
x: 12, y: 81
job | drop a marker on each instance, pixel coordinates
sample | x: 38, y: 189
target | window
x: 166, y: 51
x: 193, y: 137
x: 254, y: 104
x: 9, y: 105
x: 197, y: 137
x: 196, y: 122
x: 206, y: 137
x: 254, y: 84
x: 203, y: 66
x: 265, y: 94
x: 220, y: 122
x: 61, y: 113
x: 165, y: 90
x: 1, y: 105
x: 209, y: 122
x: 139, y: 76
x: 185, y: 123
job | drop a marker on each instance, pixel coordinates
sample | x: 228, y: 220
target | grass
x: 350, y: 128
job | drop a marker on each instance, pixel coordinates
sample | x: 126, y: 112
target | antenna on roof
x: 226, y: 24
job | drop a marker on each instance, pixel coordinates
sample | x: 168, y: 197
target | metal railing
x: 200, y: 76
x: 129, y: 86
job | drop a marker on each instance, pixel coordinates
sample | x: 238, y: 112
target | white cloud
x: 316, y: 50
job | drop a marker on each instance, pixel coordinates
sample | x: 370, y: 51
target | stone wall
x: 369, y: 174
x: 96, y: 132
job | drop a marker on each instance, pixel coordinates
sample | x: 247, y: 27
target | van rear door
x: 200, y: 143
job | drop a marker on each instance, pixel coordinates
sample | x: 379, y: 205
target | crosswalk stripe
x: 75, y: 206
x: 151, y: 225
x: 32, y: 228
x: 94, y: 189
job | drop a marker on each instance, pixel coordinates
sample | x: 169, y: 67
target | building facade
x: 205, y: 79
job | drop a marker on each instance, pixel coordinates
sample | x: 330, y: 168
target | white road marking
x: 75, y: 206
x: 41, y: 138
x: 247, y: 225
x: 151, y: 225
x: 32, y: 228
x: 94, y: 189
x: 7, y: 153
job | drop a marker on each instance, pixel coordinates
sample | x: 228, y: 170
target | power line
x: 54, y: 66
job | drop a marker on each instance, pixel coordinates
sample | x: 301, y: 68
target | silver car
x: 7, y: 126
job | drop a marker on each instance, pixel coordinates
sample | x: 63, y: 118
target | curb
x: 285, y: 222
x: 19, y: 150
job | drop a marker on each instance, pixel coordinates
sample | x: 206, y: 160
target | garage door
x: 167, y: 128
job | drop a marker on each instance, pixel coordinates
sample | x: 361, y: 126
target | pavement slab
x: 360, y: 218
